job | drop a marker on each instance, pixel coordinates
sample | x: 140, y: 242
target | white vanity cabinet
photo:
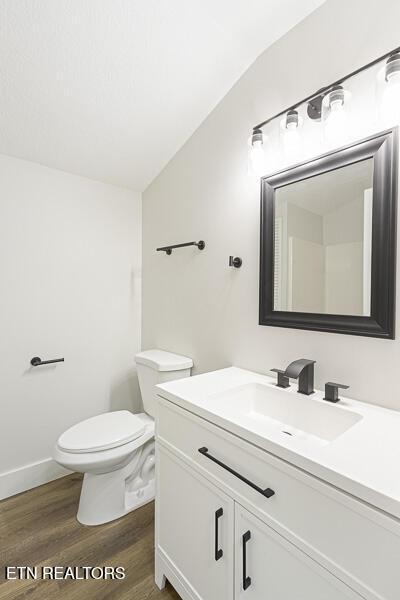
x: 305, y: 541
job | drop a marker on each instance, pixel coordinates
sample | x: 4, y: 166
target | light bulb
x: 391, y: 92
x: 335, y: 114
x: 292, y: 121
x: 257, y: 163
x: 290, y: 125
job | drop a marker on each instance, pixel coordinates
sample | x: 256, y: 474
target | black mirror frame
x: 383, y: 148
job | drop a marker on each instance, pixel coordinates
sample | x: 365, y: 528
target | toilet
x: 115, y: 450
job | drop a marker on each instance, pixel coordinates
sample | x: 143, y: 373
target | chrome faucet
x: 301, y: 369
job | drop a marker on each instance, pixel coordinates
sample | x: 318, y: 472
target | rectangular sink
x: 266, y: 408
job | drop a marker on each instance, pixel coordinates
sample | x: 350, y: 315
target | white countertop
x: 363, y: 461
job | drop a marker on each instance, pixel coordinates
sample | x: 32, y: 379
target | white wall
x: 344, y: 279
x: 344, y: 252
x: 306, y: 276
x: 306, y: 258
x: 70, y: 286
x: 192, y: 302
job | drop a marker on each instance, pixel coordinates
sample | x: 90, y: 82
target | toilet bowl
x: 115, y: 450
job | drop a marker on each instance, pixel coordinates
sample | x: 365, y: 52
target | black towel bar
x: 168, y: 249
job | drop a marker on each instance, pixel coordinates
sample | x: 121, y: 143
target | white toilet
x: 115, y: 450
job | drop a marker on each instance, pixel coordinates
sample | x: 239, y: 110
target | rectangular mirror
x: 328, y: 241
x: 323, y: 229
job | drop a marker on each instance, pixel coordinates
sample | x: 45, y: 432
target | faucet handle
x: 283, y: 380
x: 331, y: 391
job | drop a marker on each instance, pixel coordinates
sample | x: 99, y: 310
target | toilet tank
x: 158, y: 366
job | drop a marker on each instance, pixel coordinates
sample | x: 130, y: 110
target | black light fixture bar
x: 327, y: 88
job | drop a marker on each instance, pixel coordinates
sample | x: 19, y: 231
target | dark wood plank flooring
x: 39, y: 528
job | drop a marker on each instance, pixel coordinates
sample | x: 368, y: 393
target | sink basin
x: 266, y: 408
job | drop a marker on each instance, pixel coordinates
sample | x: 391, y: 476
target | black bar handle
x: 246, y: 579
x: 37, y: 362
x: 268, y: 492
x: 218, y: 551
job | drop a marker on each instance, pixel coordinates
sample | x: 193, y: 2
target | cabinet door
x: 268, y: 567
x: 195, y: 522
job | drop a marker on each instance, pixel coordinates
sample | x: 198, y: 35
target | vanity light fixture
x: 329, y: 105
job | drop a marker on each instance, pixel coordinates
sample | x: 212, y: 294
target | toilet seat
x: 103, y: 432
x: 102, y: 461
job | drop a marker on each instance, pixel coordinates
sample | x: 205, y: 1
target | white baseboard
x: 29, y: 476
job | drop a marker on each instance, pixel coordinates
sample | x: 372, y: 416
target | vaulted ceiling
x: 111, y: 89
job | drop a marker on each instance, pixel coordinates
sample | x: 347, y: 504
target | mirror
x: 328, y: 241
x: 322, y: 233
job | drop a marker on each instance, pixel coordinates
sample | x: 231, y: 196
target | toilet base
x: 109, y: 496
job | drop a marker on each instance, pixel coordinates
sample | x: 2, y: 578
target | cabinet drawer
x: 357, y: 543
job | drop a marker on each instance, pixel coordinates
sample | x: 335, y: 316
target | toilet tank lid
x: 160, y: 360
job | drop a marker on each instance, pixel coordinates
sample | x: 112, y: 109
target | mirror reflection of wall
x: 322, y: 244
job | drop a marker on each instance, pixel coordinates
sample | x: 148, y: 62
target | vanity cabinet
x: 306, y: 541
x: 222, y: 551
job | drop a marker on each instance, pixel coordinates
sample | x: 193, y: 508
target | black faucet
x: 303, y: 370
x: 331, y: 391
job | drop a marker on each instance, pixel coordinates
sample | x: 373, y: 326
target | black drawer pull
x: 267, y: 493
x: 218, y: 551
x: 246, y: 579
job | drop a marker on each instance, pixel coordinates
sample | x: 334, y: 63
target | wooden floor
x: 39, y: 528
